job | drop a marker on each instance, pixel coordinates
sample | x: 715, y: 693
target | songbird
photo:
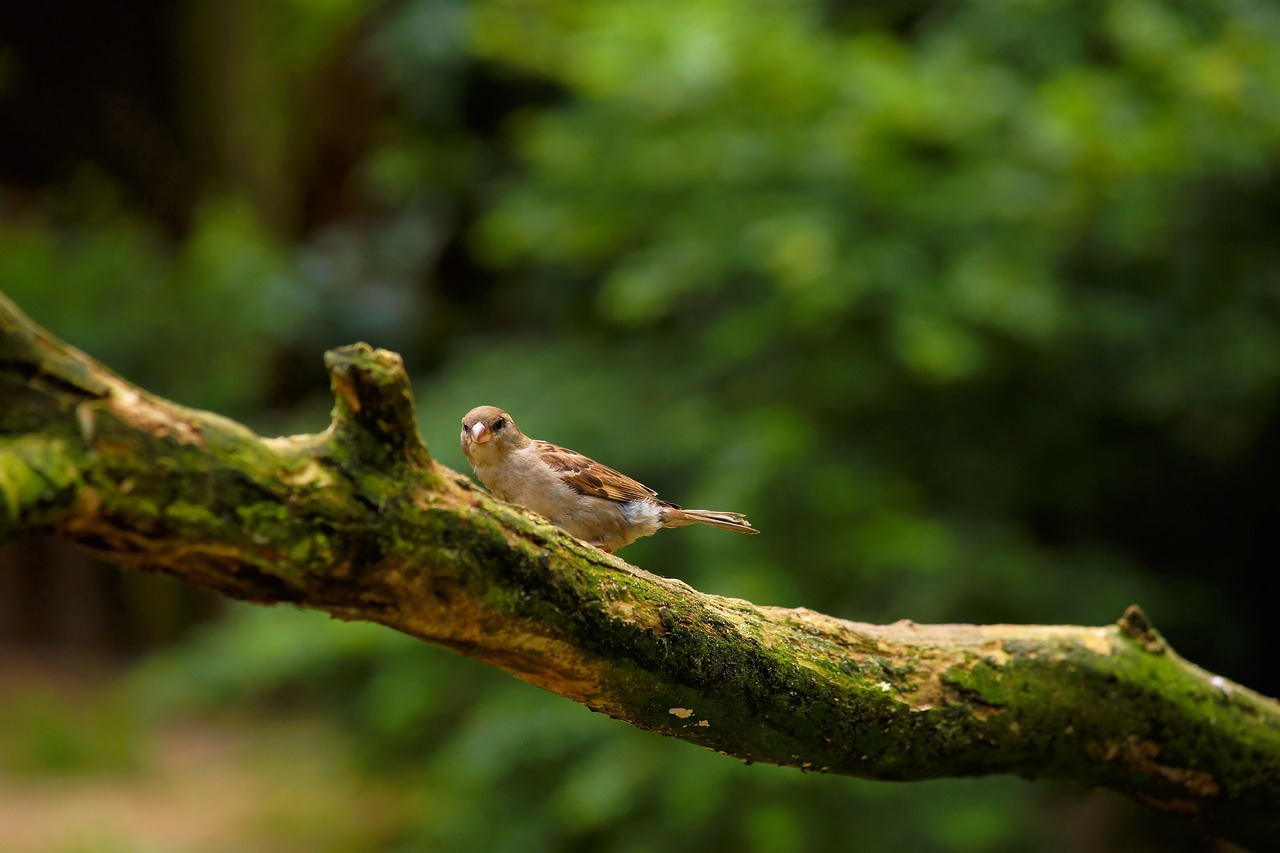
x: 593, y: 502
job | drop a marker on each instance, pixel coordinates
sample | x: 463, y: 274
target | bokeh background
x: 974, y: 309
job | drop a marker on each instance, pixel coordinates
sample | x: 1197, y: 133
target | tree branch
x: 361, y: 522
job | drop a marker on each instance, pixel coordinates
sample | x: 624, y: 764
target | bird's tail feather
x: 724, y: 520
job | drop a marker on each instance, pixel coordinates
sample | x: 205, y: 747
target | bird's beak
x: 480, y: 433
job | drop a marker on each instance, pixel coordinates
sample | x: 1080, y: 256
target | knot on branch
x: 1135, y: 625
x: 373, y: 413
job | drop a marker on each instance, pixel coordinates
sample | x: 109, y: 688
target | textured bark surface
x: 359, y: 521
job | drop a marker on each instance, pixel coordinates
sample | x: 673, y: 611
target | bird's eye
x: 499, y: 424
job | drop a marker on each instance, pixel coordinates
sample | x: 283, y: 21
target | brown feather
x: 734, y: 521
x: 588, y: 477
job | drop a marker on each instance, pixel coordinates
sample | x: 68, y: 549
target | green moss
x: 313, y: 549
x: 747, y: 684
x: 37, y: 477
x: 20, y: 484
x: 192, y: 515
x: 983, y: 681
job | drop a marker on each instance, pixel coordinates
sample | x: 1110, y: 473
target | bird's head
x: 488, y: 428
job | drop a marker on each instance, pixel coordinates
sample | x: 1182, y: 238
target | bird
x: 593, y: 502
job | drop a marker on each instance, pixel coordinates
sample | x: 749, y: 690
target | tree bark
x: 361, y: 522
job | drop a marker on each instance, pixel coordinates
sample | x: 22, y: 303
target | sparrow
x: 591, y: 501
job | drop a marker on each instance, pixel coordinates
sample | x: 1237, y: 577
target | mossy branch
x: 361, y: 522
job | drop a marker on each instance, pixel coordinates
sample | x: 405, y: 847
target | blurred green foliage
x: 973, y: 309
x: 44, y: 736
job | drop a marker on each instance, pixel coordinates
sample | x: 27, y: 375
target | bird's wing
x: 589, y: 477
